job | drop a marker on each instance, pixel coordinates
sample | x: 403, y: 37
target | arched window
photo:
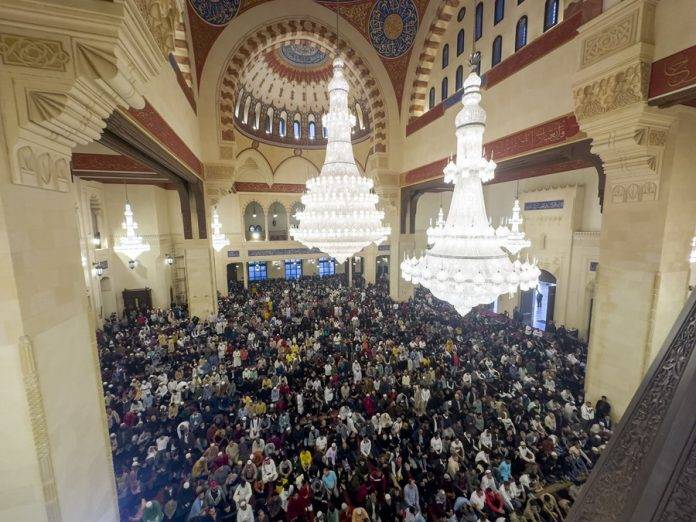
x: 257, y: 115
x: 431, y: 98
x: 247, y: 106
x: 269, y: 120
x: 312, y: 130
x: 277, y: 223
x: 460, y: 42
x: 461, y: 14
x: 521, y: 33
x: 282, y: 122
x: 324, y: 130
x: 445, y: 56
x: 359, y: 116
x: 459, y: 78
x: 296, y: 130
x: 497, y: 50
x: 499, y: 13
x: 254, y: 222
x: 478, y: 21
x: 238, y: 106
x: 443, y: 88
x: 550, y: 14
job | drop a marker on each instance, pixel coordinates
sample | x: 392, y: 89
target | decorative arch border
x: 274, y: 34
x: 426, y: 59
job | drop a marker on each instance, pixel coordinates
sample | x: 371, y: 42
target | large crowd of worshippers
x: 313, y: 401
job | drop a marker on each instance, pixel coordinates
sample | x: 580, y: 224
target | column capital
x: 66, y: 69
x: 610, y: 96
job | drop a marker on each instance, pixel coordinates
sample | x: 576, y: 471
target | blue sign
x: 384, y: 248
x: 544, y: 205
x: 593, y: 266
x: 233, y: 253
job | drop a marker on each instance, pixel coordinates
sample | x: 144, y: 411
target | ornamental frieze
x: 37, y: 53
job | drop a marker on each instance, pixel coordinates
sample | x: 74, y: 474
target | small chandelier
x: 340, y: 216
x: 468, y: 263
x: 219, y: 239
x: 132, y: 245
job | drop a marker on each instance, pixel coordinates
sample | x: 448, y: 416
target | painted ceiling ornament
x: 340, y: 217
x: 303, y: 53
x: 468, y: 263
x: 393, y: 26
x: 216, y: 12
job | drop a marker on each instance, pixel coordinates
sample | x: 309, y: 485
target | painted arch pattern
x: 426, y: 60
x: 274, y: 35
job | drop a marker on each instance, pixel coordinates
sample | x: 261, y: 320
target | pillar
x: 56, y: 460
x: 649, y: 200
x: 200, y: 277
x: 370, y: 265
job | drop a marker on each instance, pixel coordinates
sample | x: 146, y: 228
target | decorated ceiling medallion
x: 302, y: 54
x: 393, y: 27
x: 216, y: 12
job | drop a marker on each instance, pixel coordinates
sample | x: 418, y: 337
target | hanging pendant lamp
x: 469, y: 263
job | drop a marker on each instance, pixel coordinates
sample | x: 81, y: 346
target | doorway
x: 537, y: 304
x: 235, y: 277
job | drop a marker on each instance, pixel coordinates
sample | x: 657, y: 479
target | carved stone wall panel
x: 618, y: 90
x: 607, y: 494
x: 39, y: 428
x: 611, y: 40
x: 36, y: 53
x: 161, y: 18
x: 41, y: 168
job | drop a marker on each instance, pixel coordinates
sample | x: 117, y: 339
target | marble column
x: 200, y: 277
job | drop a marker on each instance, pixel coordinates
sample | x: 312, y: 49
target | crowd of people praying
x: 310, y: 400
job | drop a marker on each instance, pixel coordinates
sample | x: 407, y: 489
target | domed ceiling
x: 294, y: 77
x: 291, y: 79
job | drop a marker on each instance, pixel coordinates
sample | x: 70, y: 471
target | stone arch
x: 251, y: 161
x: 426, y: 59
x: 273, y: 34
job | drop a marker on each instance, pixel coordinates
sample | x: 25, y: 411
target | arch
x: 550, y: 14
x: 247, y: 106
x: 295, y: 169
x: 461, y: 14
x: 497, y: 51
x: 443, y: 16
x: 444, y: 88
x: 459, y: 78
x: 254, y: 222
x: 273, y: 34
x: 431, y: 98
x: 521, y: 33
x: 359, y: 116
x: 297, y: 126
x: 277, y: 222
x: 238, y: 105
x: 253, y: 166
x: 269, y: 120
x: 257, y: 115
x: 478, y: 21
x: 311, y: 128
x: 282, y: 124
x: 445, y: 56
x: 499, y: 12
x: 461, y: 41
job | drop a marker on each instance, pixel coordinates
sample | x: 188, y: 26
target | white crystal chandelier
x: 219, y: 239
x: 468, y: 262
x: 132, y: 245
x: 340, y: 216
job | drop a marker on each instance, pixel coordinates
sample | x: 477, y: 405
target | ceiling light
x: 467, y: 263
x: 340, y: 216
